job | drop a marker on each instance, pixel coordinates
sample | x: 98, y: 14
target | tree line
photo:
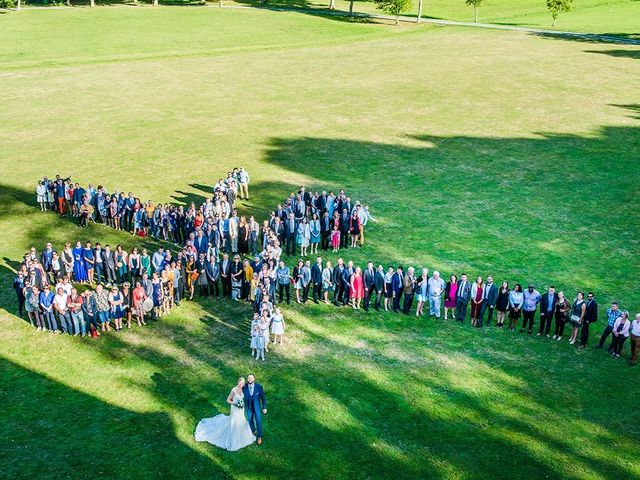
x: 390, y: 7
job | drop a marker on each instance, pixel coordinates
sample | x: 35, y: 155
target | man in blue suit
x: 255, y: 405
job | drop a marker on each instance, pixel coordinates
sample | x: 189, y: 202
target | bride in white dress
x: 229, y: 432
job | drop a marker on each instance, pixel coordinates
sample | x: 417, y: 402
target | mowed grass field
x: 480, y: 151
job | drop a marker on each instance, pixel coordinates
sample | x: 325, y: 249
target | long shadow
x: 603, y: 38
x: 106, y: 440
x: 635, y: 54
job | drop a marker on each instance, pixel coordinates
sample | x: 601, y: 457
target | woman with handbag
x: 577, y: 314
x: 620, y: 334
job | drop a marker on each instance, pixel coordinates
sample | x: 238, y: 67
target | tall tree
x: 393, y: 7
x: 558, y: 6
x: 476, y: 5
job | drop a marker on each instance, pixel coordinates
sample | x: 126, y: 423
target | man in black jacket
x: 590, y: 316
x: 325, y: 230
x: 462, y: 297
x: 368, y: 279
x: 547, y: 308
x: 345, y: 226
x: 338, y: 287
x: 225, y: 275
x: 489, y: 299
x: 290, y: 229
x: 378, y: 285
x: 316, y: 279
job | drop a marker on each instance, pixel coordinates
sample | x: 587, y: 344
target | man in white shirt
x: 61, y: 308
x: 435, y: 289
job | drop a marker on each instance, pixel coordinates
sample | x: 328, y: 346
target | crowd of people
x: 304, y: 222
x: 214, y: 257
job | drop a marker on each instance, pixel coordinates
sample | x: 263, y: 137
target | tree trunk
x: 398, y: 19
x: 155, y: 3
x: 332, y: 5
x: 68, y: 3
x: 220, y: 3
x: 351, y: 7
x: 554, y: 22
x: 19, y: 5
x: 419, y: 11
x: 475, y: 10
x: 93, y: 3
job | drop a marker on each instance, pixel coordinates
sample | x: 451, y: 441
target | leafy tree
x: 9, y: 4
x: 393, y: 7
x: 558, y: 6
x: 476, y: 5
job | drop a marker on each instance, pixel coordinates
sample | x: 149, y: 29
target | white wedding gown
x: 230, y: 432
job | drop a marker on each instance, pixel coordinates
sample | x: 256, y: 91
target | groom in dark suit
x: 255, y: 405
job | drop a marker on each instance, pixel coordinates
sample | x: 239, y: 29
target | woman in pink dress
x: 450, y: 297
x: 357, y: 288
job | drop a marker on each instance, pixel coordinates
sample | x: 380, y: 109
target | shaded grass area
x: 475, y: 153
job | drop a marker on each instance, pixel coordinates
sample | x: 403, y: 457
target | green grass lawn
x: 478, y: 151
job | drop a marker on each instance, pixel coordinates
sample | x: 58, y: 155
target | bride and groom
x: 239, y: 429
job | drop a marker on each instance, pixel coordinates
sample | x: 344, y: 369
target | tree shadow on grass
x: 50, y: 430
x: 346, y: 424
x: 635, y: 54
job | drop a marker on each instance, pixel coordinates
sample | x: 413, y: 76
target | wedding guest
x: 314, y: 230
x: 116, y: 312
x: 316, y: 279
x: 635, y: 339
x: 297, y: 278
x: 408, y: 290
x: 388, y: 289
x: 109, y: 262
x: 327, y: 282
x: 379, y: 281
x: 18, y: 286
x: 531, y: 300
x: 256, y: 338
x: 89, y: 311
x: 354, y: 228
x: 304, y: 235
x: 397, y: 285
x: 422, y: 291
x: 127, y: 302
x: 89, y: 261
x: 138, y: 296
x: 368, y: 279
x: 547, y: 309
x: 563, y: 307
x: 347, y: 273
x: 489, y: 299
x: 46, y: 307
x: 61, y: 308
x: 590, y: 316
x: 277, y: 326
x: 157, y: 295
x: 356, y: 288
x: 577, y: 315
x: 335, y: 239
x: 477, y: 290
x: 450, y: 295
x: 32, y: 295
x: 463, y: 295
x: 74, y: 304
x: 436, y: 289
x: 613, y: 313
x: 305, y: 273
x: 620, y: 334
x: 79, y: 270
x: 283, y: 279
x: 502, y: 303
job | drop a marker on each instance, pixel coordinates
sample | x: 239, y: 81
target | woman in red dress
x: 357, y: 288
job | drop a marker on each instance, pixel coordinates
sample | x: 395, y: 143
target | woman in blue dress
x: 314, y: 227
x: 156, y: 294
x: 89, y: 261
x: 79, y: 272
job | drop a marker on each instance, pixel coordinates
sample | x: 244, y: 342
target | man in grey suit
x: 305, y: 271
x: 109, y: 264
x: 462, y: 297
